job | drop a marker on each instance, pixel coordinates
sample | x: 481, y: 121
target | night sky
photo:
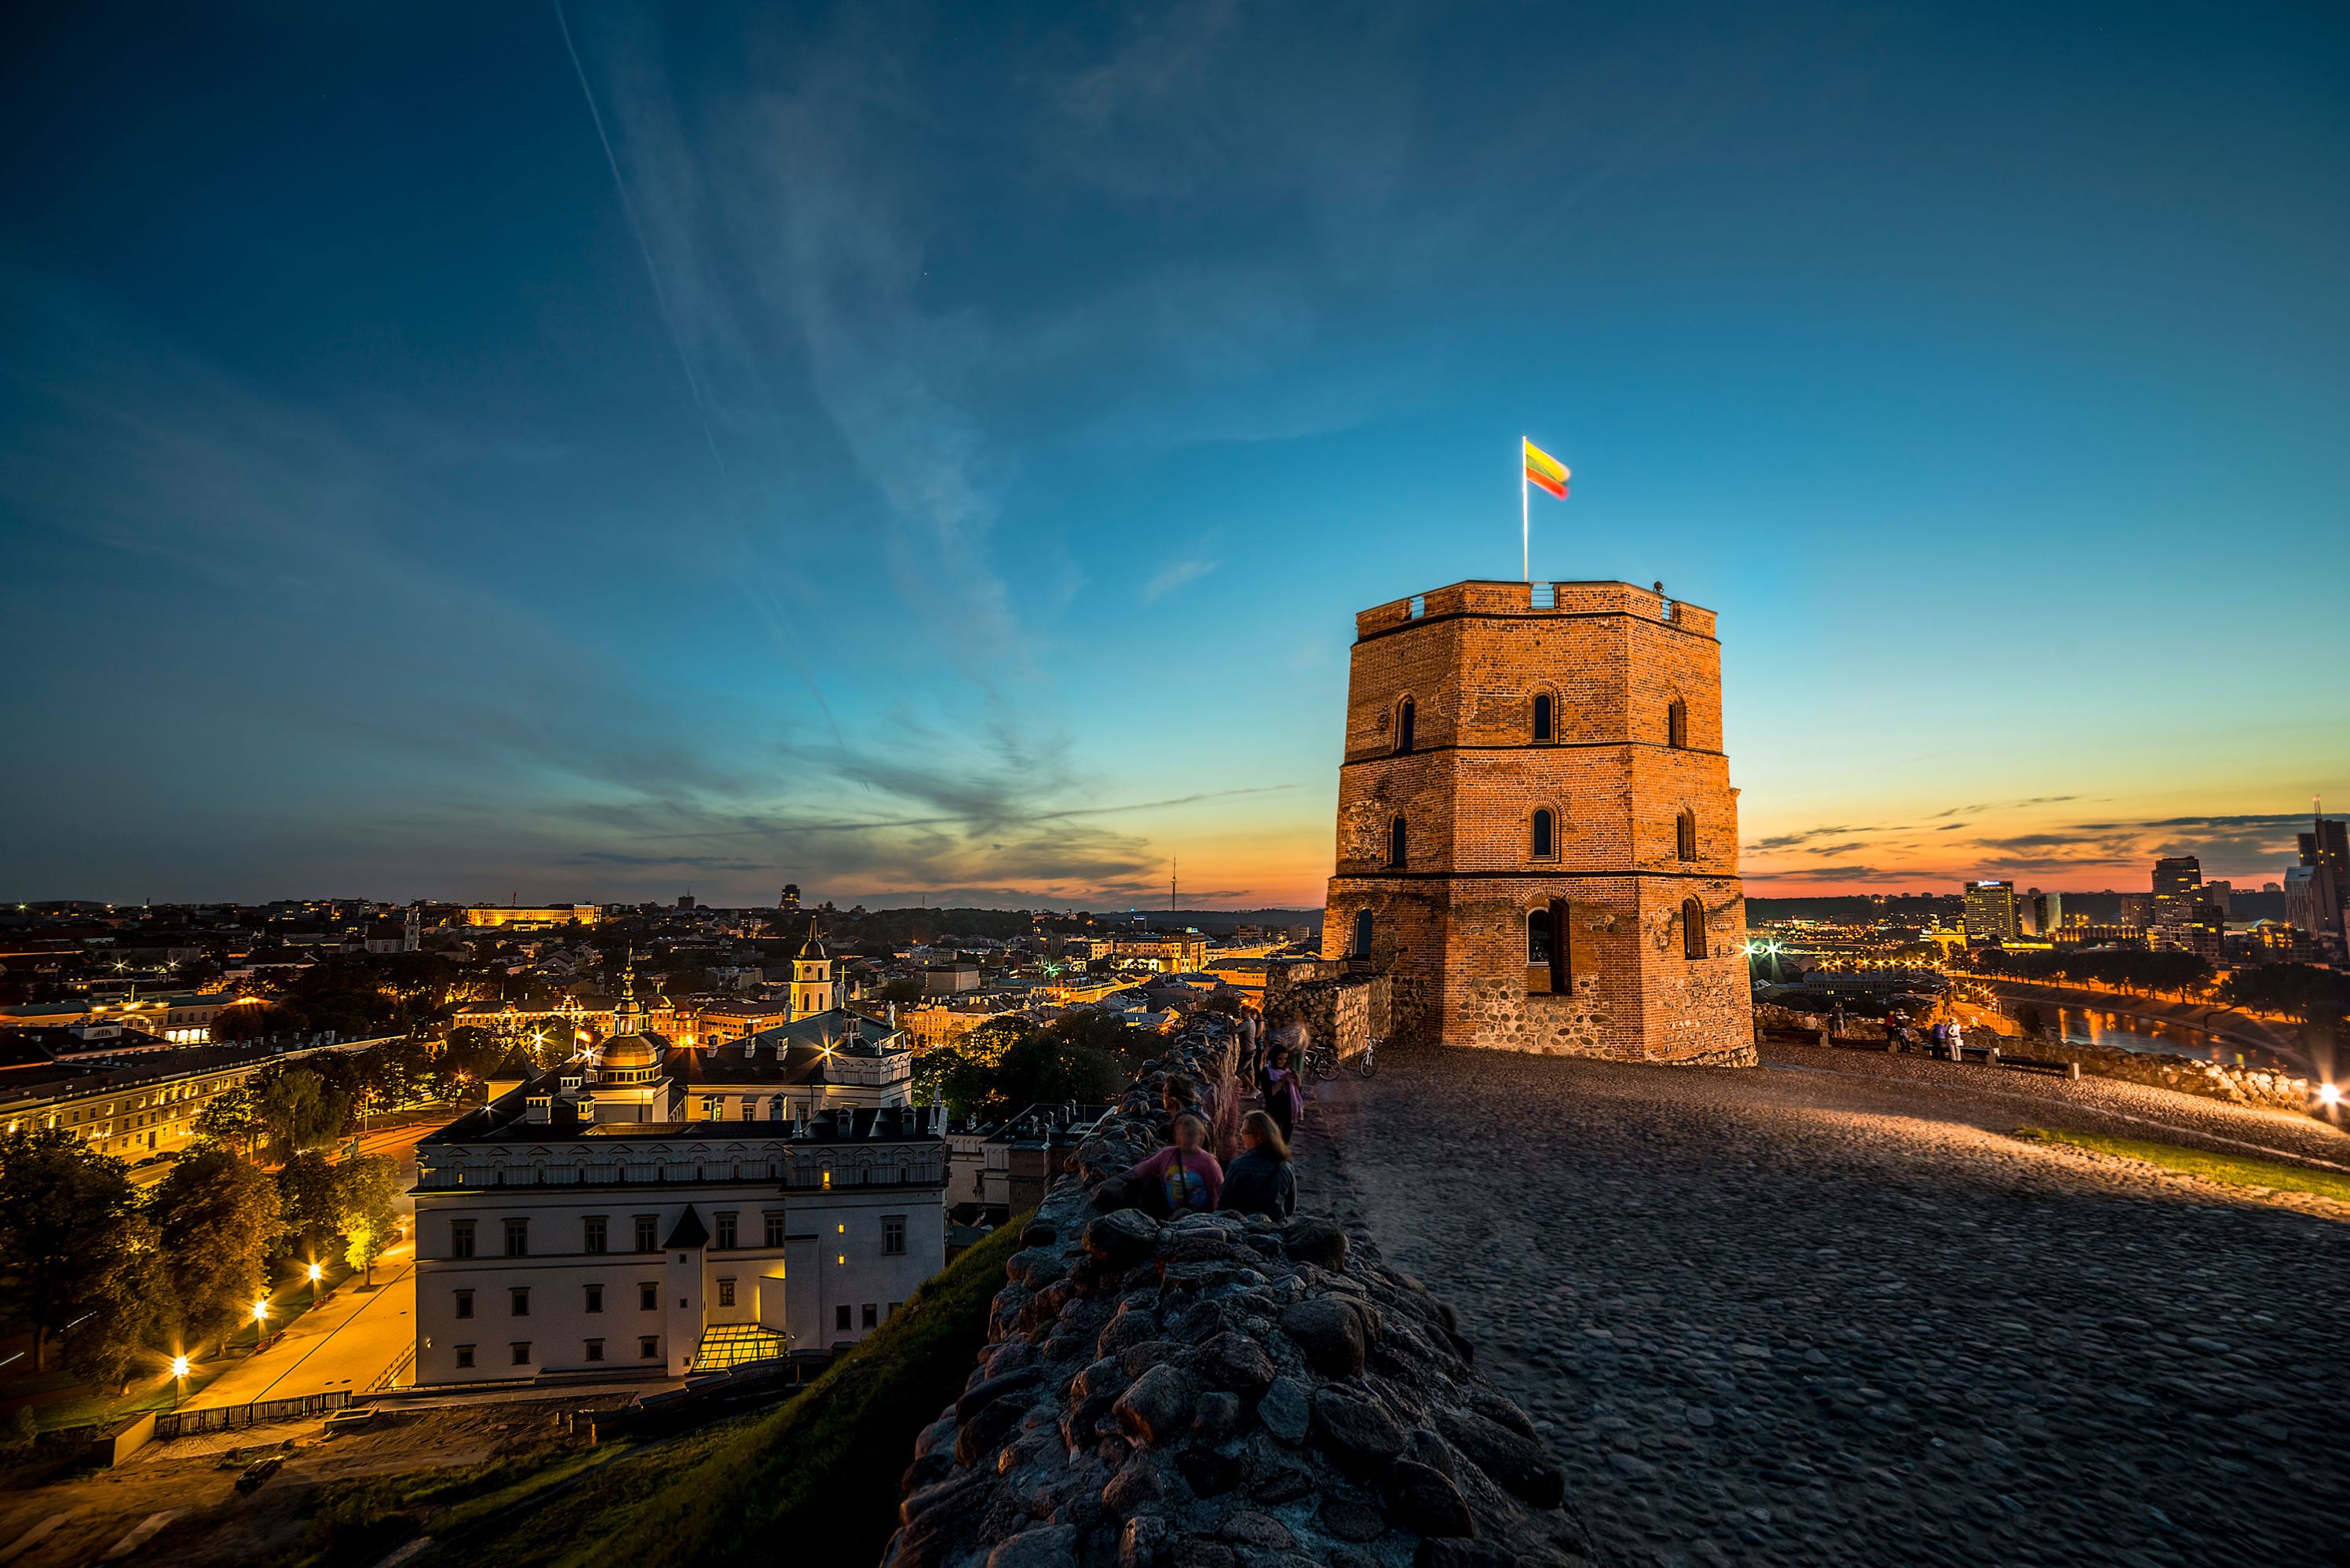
x: 938, y: 454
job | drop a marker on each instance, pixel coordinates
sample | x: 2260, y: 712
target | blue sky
x: 940, y: 452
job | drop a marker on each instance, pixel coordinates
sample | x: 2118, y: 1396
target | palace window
x: 517, y: 1238
x: 872, y: 1314
x: 461, y: 1238
x: 464, y: 1356
x: 648, y: 1347
x: 647, y: 1232
x: 1396, y: 843
x: 726, y: 1231
x: 840, y: 1318
x: 595, y: 1350
x: 648, y: 1296
x: 1684, y: 836
x: 522, y: 1353
x: 893, y: 1235
x: 726, y: 1293
x: 775, y: 1226
x: 1692, y: 929
x: 1405, y: 713
x: 1362, y: 933
x: 1542, y: 717
x: 1676, y: 724
x: 1546, y: 835
x: 464, y: 1303
x: 595, y: 1298
x: 520, y: 1295
x: 592, y: 1233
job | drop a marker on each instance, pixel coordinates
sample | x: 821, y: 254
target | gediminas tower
x: 1537, y: 837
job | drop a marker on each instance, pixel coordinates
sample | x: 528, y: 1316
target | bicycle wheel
x: 1368, y: 1064
x: 1324, y: 1062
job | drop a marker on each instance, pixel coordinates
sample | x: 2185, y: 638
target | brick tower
x: 1538, y: 839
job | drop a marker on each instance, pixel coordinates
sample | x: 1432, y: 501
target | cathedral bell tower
x: 813, y: 988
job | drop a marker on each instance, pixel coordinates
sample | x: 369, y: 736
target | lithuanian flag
x: 1546, y: 471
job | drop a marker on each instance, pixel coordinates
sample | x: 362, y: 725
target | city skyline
x: 940, y: 459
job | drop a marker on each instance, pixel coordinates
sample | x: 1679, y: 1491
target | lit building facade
x: 1991, y: 914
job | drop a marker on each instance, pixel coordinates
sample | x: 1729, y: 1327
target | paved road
x: 346, y: 1344
x: 1828, y: 1311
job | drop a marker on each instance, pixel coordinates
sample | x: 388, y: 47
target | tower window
x: 1405, y: 713
x: 1546, y: 950
x: 1684, y: 836
x: 1676, y: 724
x: 1542, y: 717
x: 1362, y: 933
x: 1546, y: 836
x: 1396, y: 843
x: 1692, y: 929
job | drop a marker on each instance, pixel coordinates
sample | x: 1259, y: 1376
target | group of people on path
x: 1185, y: 1177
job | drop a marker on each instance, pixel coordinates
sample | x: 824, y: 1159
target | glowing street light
x: 314, y: 1271
x: 2329, y: 1095
x: 180, y: 1366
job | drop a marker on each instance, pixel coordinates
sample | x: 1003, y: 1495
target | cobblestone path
x: 1828, y: 1311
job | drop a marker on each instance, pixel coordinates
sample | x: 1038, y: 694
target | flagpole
x: 1525, y: 519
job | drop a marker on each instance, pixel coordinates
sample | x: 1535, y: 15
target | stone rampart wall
x: 1222, y: 1393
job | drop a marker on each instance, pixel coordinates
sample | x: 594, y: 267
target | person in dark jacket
x: 1259, y: 1180
x: 1282, y: 1094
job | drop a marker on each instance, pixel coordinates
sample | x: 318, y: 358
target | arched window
x: 1396, y: 843
x: 1405, y: 711
x: 1692, y: 929
x: 1542, y: 716
x: 1676, y: 724
x: 1362, y: 933
x: 1684, y: 836
x: 1546, y: 952
x: 1546, y: 835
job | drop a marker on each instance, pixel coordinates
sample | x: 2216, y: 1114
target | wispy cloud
x: 1173, y: 576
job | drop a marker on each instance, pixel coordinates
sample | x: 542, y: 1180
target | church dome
x: 627, y: 1051
x: 812, y: 950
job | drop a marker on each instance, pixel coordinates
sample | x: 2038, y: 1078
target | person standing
x: 1284, y: 1095
x: 1958, y: 1041
x: 1261, y: 1181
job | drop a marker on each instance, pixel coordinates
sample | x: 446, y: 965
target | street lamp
x: 179, y: 1380
x: 260, y: 1322
x: 315, y: 1271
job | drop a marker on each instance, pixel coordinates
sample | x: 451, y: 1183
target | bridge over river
x: 1830, y: 1311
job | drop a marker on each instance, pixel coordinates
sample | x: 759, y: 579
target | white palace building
x: 667, y: 1210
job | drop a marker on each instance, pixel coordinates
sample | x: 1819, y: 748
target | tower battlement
x: 1538, y: 839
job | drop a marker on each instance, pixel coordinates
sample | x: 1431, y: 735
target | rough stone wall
x: 1222, y: 1392
x: 1335, y: 999
x: 1448, y: 923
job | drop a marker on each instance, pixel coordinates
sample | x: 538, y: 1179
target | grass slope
x: 819, y: 1473
x: 2233, y: 1170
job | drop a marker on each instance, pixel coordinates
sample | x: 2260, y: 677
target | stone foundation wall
x: 1221, y: 1392
x: 1332, y: 1002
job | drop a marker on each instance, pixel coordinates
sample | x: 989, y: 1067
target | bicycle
x: 1322, y: 1059
x: 1368, y: 1064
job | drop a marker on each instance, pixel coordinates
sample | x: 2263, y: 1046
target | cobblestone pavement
x: 1828, y: 1311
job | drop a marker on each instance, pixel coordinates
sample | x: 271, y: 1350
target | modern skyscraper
x: 2177, y: 890
x: 2326, y: 850
x: 1991, y: 914
x: 1538, y: 836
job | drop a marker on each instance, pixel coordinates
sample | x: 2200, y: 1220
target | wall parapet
x: 1220, y: 1390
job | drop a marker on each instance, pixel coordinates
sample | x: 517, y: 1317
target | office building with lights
x: 1990, y: 913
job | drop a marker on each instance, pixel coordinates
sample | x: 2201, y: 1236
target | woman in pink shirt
x: 1182, y: 1178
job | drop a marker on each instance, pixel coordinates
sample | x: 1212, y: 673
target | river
x: 2122, y: 1032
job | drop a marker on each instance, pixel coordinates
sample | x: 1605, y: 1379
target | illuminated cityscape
x: 776, y: 788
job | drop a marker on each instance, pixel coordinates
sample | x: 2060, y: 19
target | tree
x: 215, y: 1217
x: 65, y: 1231
x: 366, y: 1189
x: 247, y: 1021
x: 298, y: 1110
x: 231, y: 1119
x: 127, y: 1321
x: 904, y: 989
x: 310, y: 1197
